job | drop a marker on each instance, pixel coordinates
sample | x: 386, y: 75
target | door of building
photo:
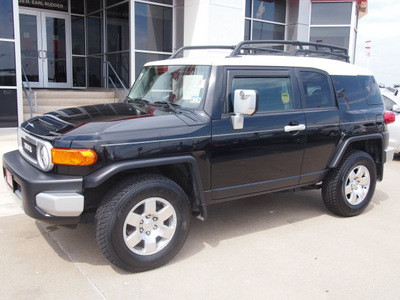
x: 45, y: 48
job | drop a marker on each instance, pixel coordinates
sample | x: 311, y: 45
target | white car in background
x: 392, y: 103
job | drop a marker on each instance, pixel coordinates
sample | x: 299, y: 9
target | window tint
x: 316, y: 90
x: 269, y: 10
x: 8, y: 108
x: 273, y: 93
x: 153, y: 27
x: 331, y: 13
x: 349, y: 92
x: 6, y: 15
x: 371, y: 90
x: 265, y: 31
x: 331, y: 35
x: 7, y: 64
x: 78, y: 35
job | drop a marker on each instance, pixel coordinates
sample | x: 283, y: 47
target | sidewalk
x: 278, y: 246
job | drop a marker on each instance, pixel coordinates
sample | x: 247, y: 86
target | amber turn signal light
x: 73, y: 157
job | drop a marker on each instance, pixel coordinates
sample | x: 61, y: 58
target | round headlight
x: 44, y: 158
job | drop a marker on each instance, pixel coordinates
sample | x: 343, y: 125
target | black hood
x: 59, y: 122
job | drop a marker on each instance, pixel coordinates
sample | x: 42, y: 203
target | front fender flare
x: 98, y: 177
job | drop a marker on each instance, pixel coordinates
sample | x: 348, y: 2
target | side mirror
x: 396, y: 108
x: 244, y: 103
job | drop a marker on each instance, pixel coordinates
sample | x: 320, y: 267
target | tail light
x: 389, y: 117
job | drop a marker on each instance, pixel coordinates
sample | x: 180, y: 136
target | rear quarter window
x: 349, y: 92
x: 357, y: 91
x: 371, y: 90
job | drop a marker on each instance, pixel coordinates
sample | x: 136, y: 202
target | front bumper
x: 53, y: 198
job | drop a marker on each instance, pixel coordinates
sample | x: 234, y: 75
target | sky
x: 381, y: 26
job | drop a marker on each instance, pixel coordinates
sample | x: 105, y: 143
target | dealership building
x: 94, y: 45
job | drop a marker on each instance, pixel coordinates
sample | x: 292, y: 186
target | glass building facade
x: 77, y: 44
x: 265, y: 20
x: 331, y: 23
x: 8, y: 74
x: 101, y: 31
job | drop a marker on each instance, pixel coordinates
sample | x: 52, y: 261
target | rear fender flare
x: 344, y: 146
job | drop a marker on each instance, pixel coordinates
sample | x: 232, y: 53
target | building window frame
x: 134, y: 49
x: 17, y: 87
x: 351, y: 25
x: 250, y: 20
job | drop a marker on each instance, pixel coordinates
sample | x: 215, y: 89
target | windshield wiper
x: 128, y: 99
x: 137, y: 100
x: 171, y: 106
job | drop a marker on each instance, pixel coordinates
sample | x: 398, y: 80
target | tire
x: 348, y: 189
x: 143, y: 222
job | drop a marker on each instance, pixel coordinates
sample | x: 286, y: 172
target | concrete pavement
x: 279, y: 246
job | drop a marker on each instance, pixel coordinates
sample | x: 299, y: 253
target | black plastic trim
x: 343, y: 146
x: 98, y: 177
x: 30, y: 181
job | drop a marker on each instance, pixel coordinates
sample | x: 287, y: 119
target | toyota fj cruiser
x: 271, y: 116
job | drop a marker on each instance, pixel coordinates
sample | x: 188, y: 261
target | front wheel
x: 143, y: 222
x: 348, y: 189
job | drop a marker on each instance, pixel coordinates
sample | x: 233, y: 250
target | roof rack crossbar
x: 180, y: 50
x: 268, y: 50
x: 322, y: 53
x: 251, y: 47
x: 320, y: 48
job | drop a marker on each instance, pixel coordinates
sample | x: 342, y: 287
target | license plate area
x: 9, y: 179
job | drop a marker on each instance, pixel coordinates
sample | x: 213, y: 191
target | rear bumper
x: 53, y: 198
x: 389, y: 150
x: 389, y: 154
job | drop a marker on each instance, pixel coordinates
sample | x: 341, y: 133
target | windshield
x: 180, y: 86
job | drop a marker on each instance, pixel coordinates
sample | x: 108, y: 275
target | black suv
x: 194, y: 131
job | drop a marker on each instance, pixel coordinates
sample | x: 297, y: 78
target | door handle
x: 40, y: 54
x: 45, y: 54
x: 299, y: 127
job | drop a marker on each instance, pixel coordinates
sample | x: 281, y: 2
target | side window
x: 273, y: 93
x: 316, y: 90
x: 371, y: 90
x: 349, y: 92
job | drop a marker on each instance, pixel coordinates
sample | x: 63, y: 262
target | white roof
x: 331, y: 66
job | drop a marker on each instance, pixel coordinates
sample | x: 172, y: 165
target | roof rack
x: 180, y: 50
x: 278, y: 47
x: 291, y: 48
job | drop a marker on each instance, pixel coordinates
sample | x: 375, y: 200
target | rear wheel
x: 348, y: 189
x: 143, y: 222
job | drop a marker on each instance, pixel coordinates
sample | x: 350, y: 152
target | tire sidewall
x: 122, y: 253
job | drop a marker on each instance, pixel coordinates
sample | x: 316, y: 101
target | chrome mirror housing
x: 244, y: 103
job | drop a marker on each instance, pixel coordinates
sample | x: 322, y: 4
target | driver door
x: 266, y: 154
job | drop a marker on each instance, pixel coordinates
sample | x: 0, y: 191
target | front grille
x: 29, y: 149
x: 29, y: 145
